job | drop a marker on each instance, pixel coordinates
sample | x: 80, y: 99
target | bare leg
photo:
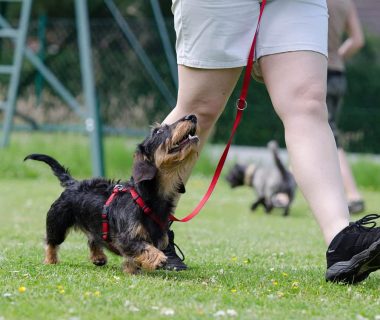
x: 352, y: 191
x: 204, y: 93
x: 296, y: 82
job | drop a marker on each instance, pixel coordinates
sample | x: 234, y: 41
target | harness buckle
x: 119, y: 188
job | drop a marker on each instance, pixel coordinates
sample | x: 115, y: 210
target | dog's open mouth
x: 187, y: 139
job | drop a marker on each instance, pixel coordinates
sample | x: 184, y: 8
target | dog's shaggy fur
x: 275, y: 185
x: 159, y: 163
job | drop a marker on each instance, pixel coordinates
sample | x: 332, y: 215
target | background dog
x: 159, y: 163
x: 274, y: 184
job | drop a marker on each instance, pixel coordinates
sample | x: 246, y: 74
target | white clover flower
x: 220, y: 313
x: 232, y: 313
x: 167, y: 312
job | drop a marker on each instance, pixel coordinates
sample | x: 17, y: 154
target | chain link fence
x: 128, y: 98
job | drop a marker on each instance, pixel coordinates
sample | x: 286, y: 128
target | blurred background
x: 135, y: 81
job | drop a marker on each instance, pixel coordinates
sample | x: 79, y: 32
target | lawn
x: 241, y: 265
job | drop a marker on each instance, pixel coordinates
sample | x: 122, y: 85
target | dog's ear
x: 142, y: 169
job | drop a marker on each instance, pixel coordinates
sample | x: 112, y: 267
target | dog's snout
x: 192, y: 118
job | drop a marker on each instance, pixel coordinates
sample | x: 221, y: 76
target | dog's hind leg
x: 97, y: 255
x: 51, y: 254
x: 257, y: 203
x: 268, y: 206
x: 58, y: 222
x: 286, y: 211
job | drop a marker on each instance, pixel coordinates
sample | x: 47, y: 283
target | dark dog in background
x: 274, y: 184
x: 159, y: 163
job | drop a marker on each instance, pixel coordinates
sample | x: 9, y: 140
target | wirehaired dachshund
x: 133, y: 232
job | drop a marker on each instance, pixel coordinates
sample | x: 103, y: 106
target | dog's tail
x: 273, y: 146
x: 59, y: 171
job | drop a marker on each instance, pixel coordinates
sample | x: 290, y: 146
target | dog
x: 135, y: 233
x: 275, y: 185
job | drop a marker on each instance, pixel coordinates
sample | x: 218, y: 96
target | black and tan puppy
x: 159, y: 163
x: 274, y: 184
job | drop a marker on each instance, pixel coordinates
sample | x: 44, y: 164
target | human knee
x: 308, y: 102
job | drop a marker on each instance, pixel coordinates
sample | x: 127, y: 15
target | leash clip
x: 241, y: 102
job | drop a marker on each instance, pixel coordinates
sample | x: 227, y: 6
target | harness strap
x: 136, y: 198
x: 140, y: 202
x: 241, y: 104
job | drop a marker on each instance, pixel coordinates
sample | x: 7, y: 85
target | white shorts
x: 214, y: 34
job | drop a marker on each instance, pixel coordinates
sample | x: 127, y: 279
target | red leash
x: 240, y: 105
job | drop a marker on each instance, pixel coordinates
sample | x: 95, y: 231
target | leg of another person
x: 336, y: 87
x: 296, y: 82
x: 352, y: 191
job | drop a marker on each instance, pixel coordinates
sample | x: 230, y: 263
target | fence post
x: 93, y: 120
x: 41, y: 32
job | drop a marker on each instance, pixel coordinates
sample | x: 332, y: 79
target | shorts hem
x: 266, y: 51
x: 209, y: 64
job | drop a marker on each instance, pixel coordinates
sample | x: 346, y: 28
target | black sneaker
x: 354, y: 252
x: 174, y: 262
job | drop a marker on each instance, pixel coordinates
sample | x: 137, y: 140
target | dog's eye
x: 158, y: 131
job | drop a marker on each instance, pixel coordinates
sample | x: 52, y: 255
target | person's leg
x: 296, y: 82
x: 203, y: 92
x: 352, y: 191
x: 336, y: 88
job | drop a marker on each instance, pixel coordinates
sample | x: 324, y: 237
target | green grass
x: 259, y: 266
x: 262, y: 267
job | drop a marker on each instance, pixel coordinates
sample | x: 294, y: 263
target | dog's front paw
x: 151, y: 259
x: 98, y: 258
x: 48, y: 260
x: 99, y: 261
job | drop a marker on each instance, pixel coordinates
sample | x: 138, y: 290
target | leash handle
x: 241, y: 105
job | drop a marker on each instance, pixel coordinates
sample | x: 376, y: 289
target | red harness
x: 136, y: 198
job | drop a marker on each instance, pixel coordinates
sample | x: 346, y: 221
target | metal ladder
x: 18, y: 36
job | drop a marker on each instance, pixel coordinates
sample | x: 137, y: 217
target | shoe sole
x: 170, y: 268
x: 358, y: 268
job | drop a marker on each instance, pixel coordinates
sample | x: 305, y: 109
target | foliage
x: 360, y: 115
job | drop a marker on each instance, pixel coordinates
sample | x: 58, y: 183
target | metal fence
x: 129, y: 99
